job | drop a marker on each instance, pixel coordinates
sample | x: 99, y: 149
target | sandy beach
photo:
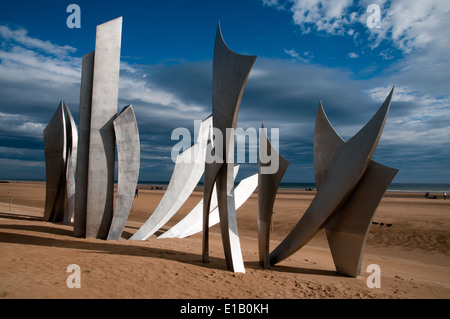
x: 413, y: 253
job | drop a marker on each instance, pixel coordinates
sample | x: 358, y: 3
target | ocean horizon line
x: 403, y: 187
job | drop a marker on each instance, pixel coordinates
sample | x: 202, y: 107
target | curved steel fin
x: 267, y: 189
x: 71, y: 158
x: 347, y: 166
x: 55, y: 145
x: 128, y: 157
x: 192, y: 222
x: 187, y: 172
x: 348, y: 228
x: 230, y: 73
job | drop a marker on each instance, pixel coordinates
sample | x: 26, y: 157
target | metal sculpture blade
x: 55, y: 144
x: 84, y: 124
x: 71, y: 158
x: 230, y: 73
x: 60, y: 142
x: 267, y: 190
x: 188, y: 225
x: 347, y: 230
x: 105, y: 88
x: 187, y: 172
x: 192, y: 223
x: 347, y: 167
x: 128, y: 153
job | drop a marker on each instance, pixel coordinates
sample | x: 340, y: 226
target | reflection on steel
x: 55, y: 163
x: 71, y: 163
x: 105, y: 89
x: 60, y: 139
x: 192, y: 223
x: 230, y: 73
x: 340, y: 180
x: 241, y: 193
x: 267, y: 190
x: 128, y: 153
x: 348, y: 229
x: 84, y: 124
x: 187, y: 172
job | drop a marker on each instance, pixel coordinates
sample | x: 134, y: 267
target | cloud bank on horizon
x: 330, y: 55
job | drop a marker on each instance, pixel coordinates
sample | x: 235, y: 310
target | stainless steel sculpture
x: 60, y: 140
x: 186, y: 174
x: 347, y: 231
x: 192, y: 223
x: 105, y: 90
x: 94, y: 194
x: 343, y: 182
x: 99, y: 128
x: 55, y: 163
x: 189, y: 224
x: 71, y: 164
x: 267, y: 190
x: 84, y: 125
x: 128, y: 153
x: 230, y: 73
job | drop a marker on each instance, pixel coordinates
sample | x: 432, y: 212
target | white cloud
x: 165, y: 104
x: 20, y: 125
x: 424, y: 121
x: 419, y: 29
x: 408, y: 25
x: 273, y: 3
x: 296, y: 56
x: 257, y: 73
x: 324, y: 15
x: 45, y: 75
x: 292, y: 53
x: 21, y: 64
x: 20, y: 36
x: 413, y: 25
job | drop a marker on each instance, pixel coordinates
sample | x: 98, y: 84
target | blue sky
x: 307, y: 51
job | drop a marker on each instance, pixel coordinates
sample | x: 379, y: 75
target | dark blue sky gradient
x: 167, y: 50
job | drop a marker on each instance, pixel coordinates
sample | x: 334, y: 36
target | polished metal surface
x: 267, y: 190
x: 55, y: 146
x: 60, y: 144
x: 230, y: 73
x: 186, y: 174
x: 105, y: 89
x: 71, y: 163
x: 349, y: 163
x: 129, y: 154
x: 84, y: 125
x: 347, y: 230
x: 192, y: 223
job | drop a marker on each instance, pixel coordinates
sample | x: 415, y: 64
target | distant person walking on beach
x: 445, y: 195
x: 136, y: 193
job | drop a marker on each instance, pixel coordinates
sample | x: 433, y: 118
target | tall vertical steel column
x: 105, y: 88
x: 84, y: 127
